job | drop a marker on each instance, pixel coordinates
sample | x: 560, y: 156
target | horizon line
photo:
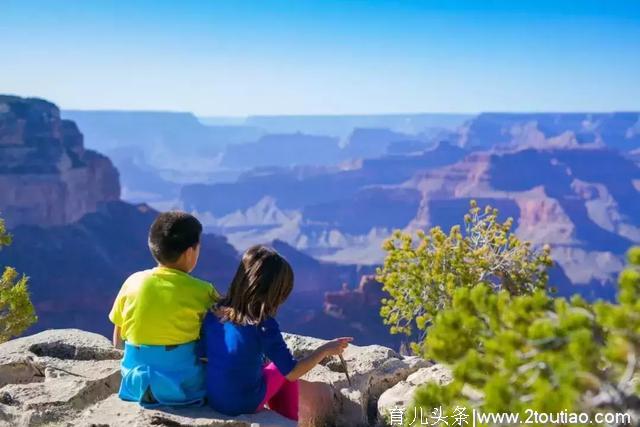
x: 355, y: 115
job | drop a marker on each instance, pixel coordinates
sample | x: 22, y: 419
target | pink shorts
x: 281, y: 395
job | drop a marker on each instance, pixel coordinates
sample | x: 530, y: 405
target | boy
x: 158, y: 314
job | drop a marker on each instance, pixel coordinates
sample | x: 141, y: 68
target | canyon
x: 325, y: 199
x: 582, y: 200
x: 78, y: 245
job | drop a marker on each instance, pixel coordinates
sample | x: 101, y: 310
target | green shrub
x: 16, y: 310
x: 421, y: 274
x: 534, y: 352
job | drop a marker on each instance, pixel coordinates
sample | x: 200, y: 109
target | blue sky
x: 242, y: 57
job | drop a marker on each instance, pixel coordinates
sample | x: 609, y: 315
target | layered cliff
x: 47, y: 177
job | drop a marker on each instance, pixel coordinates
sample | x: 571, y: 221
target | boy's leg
x: 281, y: 395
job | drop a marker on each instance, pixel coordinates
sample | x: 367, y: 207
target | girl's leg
x: 285, y: 401
x: 281, y: 395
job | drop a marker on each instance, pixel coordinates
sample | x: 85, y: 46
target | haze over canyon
x: 80, y: 188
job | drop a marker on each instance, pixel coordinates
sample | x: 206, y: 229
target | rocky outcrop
x: 48, y: 377
x: 372, y: 369
x: 46, y: 175
x: 356, y: 312
x: 401, y: 394
x: 70, y: 377
x: 364, y: 299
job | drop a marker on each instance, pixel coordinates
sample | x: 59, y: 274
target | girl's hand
x: 330, y: 348
x: 336, y: 346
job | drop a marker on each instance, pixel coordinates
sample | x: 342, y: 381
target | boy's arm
x: 201, y: 346
x: 117, y: 338
x: 115, y: 316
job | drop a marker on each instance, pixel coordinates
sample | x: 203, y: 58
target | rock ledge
x: 69, y: 377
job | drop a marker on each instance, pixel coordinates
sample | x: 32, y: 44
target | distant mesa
x: 162, y: 132
x: 619, y: 131
x: 283, y: 149
x: 371, y: 142
x: 47, y: 177
x: 342, y: 126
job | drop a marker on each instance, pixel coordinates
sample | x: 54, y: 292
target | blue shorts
x: 172, y: 375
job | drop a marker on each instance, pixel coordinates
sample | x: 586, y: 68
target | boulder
x: 70, y: 377
x: 372, y: 369
x: 48, y: 377
x: 401, y: 394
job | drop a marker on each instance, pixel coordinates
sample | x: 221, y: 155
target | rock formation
x: 615, y: 130
x: 356, y: 312
x: 401, y: 394
x: 70, y: 377
x: 581, y: 201
x: 46, y: 175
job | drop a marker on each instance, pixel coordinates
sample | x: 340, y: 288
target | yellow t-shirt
x: 162, y: 306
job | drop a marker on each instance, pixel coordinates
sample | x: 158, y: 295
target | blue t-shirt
x: 236, y: 353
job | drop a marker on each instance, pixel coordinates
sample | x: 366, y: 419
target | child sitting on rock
x: 158, y: 314
x: 241, y: 330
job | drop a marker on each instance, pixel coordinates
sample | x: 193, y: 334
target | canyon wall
x: 46, y: 175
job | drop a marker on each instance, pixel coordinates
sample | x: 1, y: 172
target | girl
x: 241, y: 330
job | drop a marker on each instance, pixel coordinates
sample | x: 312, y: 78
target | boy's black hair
x: 171, y: 234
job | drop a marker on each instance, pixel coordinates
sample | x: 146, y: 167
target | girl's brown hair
x: 263, y: 281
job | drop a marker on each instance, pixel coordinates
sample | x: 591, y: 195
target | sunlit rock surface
x: 70, y: 377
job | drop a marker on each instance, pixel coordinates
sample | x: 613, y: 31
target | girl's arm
x: 117, y: 338
x: 330, y: 348
x: 275, y: 348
